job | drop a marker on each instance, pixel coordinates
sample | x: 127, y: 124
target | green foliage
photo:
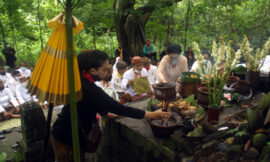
x: 24, y: 24
x: 265, y: 154
x: 264, y: 102
x: 3, y: 157
x: 190, y: 99
x: 200, y: 114
x: 152, y: 102
x: 255, y: 119
x: 240, y: 69
x: 236, y: 132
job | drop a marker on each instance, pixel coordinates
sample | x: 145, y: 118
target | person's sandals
x: 5, y: 131
x: 15, y: 146
x: 19, y: 129
x: 2, y: 136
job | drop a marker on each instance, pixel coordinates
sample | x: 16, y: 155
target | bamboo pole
x: 72, y: 95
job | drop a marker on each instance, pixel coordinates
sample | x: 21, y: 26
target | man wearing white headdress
x: 137, y: 71
x: 22, y: 92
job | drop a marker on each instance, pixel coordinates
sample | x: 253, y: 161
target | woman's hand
x: 158, y: 114
x: 111, y: 115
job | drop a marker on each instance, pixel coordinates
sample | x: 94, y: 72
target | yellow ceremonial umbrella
x: 56, y: 77
x: 49, y: 80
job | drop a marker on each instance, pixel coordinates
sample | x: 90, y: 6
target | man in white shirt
x: 22, y: 93
x: 9, y: 105
x: 151, y: 70
x: 14, y: 82
x: 118, y: 59
x: 106, y: 84
x: 4, y: 76
x: 207, y: 65
x: 137, y: 71
x: 24, y: 71
x: 117, y: 78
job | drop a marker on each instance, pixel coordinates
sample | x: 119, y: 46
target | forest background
x: 23, y: 24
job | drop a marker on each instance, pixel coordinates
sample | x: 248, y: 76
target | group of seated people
x: 118, y: 83
x: 120, y: 78
x: 13, y: 91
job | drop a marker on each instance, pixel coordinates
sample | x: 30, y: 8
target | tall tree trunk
x: 94, y: 26
x: 187, y: 24
x: 3, y: 34
x: 12, y: 27
x: 155, y: 39
x: 231, y: 20
x: 13, y: 37
x: 160, y: 46
x: 168, y: 33
x: 94, y: 36
x: 40, y: 27
x: 130, y: 23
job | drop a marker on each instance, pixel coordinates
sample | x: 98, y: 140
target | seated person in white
x: 24, y: 71
x: 9, y: 105
x: 137, y: 71
x: 22, y: 92
x: 151, y: 70
x: 106, y: 83
x: 4, y: 76
x: 6, y: 115
x: 207, y: 64
x: 117, y: 78
x: 118, y: 59
x: 14, y: 82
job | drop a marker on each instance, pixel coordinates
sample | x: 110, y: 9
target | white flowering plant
x: 225, y: 60
x: 254, y: 62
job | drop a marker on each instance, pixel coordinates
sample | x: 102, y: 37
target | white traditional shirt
x: 195, y: 67
x: 2, y: 109
x: 166, y: 71
x: 6, y: 98
x: 5, y: 78
x: 152, y: 74
x: 12, y: 84
x: 114, y: 65
x: 106, y: 87
x: 23, y: 95
x: 131, y: 75
x: 117, y: 83
x: 25, y: 72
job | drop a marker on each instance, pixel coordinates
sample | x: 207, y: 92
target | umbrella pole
x: 48, y: 130
x: 72, y: 94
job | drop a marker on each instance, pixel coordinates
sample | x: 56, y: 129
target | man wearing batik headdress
x: 137, y: 71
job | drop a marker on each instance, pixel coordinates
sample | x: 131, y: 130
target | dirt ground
x: 15, y: 136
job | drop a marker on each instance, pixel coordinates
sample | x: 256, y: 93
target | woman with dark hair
x: 92, y: 66
x: 190, y: 57
x: 207, y: 64
x: 172, y: 65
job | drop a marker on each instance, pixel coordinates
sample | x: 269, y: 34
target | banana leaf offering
x: 141, y: 85
x: 190, y: 77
